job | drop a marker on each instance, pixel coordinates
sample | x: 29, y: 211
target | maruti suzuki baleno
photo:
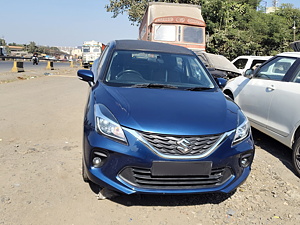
x: 156, y: 122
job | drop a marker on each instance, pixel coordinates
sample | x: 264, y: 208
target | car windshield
x: 86, y: 49
x: 157, y: 70
x: 193, y: 34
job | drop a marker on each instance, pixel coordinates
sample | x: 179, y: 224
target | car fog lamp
x: 97, y: 162
x: 246, y: 160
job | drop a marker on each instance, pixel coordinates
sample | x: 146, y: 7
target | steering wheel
x: 129, y: 75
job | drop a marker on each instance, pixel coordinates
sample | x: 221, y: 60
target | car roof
x: 290, y: 54
x: 150, y: 46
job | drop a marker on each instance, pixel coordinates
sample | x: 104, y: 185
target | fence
x: 18, y: 63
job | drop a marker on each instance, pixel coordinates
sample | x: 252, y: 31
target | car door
x: 284, y: 110
x: 254, y: 100
x: 256, y: 97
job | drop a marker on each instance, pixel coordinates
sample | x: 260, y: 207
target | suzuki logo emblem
x: 183, y: 146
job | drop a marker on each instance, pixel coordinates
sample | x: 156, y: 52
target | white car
x: 246, y: 62
x: 270, y: 98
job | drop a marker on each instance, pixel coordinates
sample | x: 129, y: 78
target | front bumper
x: 131, y: 168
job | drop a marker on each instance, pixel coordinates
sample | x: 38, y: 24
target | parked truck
x: 91, y: 50
x: 173, y: 23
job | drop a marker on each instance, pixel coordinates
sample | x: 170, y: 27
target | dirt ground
x: 40, y: 163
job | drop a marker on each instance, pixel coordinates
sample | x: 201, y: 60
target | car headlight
x: 107, y: 124
x: 242, y: 130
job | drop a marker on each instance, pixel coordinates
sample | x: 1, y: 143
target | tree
x: 290, y: 16
x: 136, y: 8
x: 32, y: 47
x: 227, y: 26
x: 252, y: 3
x: 12, y: 44
x: 2, y: 42
x: 47, y: 50
x: 234, y: 27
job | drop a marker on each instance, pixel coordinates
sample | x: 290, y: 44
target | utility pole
x: 294, y: 28
x: 275, y: 3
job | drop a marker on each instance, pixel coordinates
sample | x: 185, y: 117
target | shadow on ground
x: 165, y: 200
x: 275, y: 148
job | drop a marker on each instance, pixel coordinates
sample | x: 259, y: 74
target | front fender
x: 236, y: 85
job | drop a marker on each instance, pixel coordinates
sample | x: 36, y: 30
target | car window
x: 196, y: 72
x: 240, y: 63
x: 139, y: 67
x: 86, y: 49
x: 275, y: 69
x: 165, y: 33
x: 256, y: 62
x: 102, y: 59
x: 192, y: 34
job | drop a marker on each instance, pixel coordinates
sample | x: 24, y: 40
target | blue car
x: 156, y: 122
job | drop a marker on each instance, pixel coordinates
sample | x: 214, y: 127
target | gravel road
x: 41, y: 116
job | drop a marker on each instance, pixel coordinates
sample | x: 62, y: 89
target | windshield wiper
x: 153, y: 85
x: 198, y: 88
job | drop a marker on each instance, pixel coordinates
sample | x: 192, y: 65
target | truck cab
x: 173, y: 23
x: 91, y: 50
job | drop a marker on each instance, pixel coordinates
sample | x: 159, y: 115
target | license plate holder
x: 169, y: 168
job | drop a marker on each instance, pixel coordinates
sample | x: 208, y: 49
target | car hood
x: 218, y: 62
x: 167, y: 111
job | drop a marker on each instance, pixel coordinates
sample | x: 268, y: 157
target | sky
x: 67, y: 22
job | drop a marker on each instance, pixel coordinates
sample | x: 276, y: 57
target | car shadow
x: 165, y: 199
x: 273, y: 147
x: 171, y: 200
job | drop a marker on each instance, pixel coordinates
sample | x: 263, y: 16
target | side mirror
x: 86, y: 75
x: 221, y: 82
x: 249, y: 73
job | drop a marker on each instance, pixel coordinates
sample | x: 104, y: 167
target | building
x: 17, y: 51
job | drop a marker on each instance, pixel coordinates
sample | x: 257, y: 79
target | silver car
x: 270, y: 98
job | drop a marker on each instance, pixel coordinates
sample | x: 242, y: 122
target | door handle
x: 271, y: 88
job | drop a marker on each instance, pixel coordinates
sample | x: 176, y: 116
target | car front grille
x: 181, y: 145
x: 142, y: 178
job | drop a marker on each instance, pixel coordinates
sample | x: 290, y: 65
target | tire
x: 84, y: 174
x: 229, y: 94
x: 296, y: 156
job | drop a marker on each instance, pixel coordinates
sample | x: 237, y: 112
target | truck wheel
x: 296, y: 156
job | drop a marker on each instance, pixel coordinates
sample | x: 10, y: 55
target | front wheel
x: 296, y: 156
